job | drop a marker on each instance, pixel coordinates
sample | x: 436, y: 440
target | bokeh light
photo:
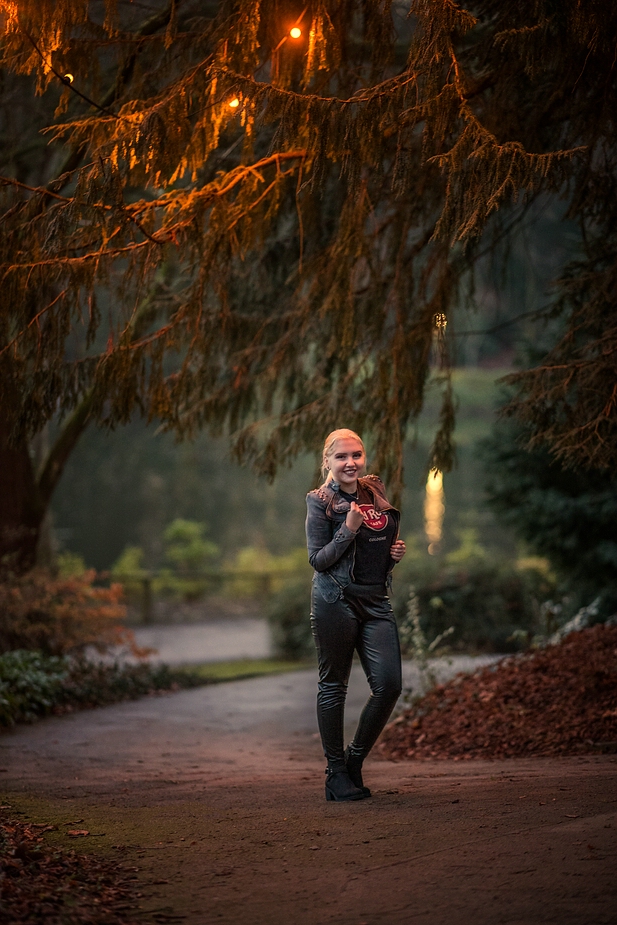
x: 434, y: 510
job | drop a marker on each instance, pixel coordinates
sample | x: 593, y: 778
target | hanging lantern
x: 440, y: 321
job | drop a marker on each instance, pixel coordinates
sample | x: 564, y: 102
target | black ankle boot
x: 339, y: 787
x: 354, y: 768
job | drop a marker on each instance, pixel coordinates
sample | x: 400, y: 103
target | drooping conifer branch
x: 371, y: 153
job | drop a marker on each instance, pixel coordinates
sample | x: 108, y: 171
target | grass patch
x: 238, y: 670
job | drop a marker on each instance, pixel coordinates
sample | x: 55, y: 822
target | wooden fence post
x: 146, y: 602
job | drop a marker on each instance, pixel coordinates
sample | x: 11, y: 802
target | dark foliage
x: 288, y: 615
x: 34, y: 685
x: 568, y: 516
x: 486, y: 602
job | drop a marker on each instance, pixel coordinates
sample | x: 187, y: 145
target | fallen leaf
x: 559, y: 700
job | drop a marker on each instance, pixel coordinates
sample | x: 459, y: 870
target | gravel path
x: 211, y: 641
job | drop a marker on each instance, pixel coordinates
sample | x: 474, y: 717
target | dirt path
x: 216, y: 796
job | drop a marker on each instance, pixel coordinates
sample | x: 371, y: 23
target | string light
x: 233, y: 104
x: 295, y: 33
x: 440, y: 321
x: 69, y: 78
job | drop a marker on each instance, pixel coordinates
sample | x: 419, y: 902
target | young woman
x: 352, y: 538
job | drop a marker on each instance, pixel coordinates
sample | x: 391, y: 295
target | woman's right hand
x: 355, y: 517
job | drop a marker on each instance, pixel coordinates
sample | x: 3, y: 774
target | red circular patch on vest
x: 373, y: 519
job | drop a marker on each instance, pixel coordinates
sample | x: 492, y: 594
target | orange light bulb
x: 295, y: 33
x: 233, y: 104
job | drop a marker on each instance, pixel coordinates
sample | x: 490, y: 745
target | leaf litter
x: 43, y: 884
x: 560, y: 700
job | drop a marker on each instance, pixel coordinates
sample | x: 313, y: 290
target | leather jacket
x: 331, y: 544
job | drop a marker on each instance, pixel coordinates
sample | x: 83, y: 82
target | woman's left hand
x: 397, y: 550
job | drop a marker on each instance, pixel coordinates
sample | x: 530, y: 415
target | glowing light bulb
x: 233, y: 104
x: 440, y: 321
x: 295, y: 33
x: 69, y: 78
x: 434, y: 510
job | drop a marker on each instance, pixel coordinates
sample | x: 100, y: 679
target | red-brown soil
x: 561, y: 700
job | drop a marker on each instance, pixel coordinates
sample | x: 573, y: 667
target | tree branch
x: 63, y: 447
x: 149, y: 27
x: 77, y: 422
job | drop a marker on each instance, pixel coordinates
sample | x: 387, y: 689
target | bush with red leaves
x: 561, y: 700
x: 40, y: 884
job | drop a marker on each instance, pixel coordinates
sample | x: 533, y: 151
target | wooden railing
x: 144, y: 586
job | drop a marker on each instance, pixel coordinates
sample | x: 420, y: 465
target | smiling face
x: 346, y: 462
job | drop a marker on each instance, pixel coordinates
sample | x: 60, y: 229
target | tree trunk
x: 21, y: 510
x: 25, y: 494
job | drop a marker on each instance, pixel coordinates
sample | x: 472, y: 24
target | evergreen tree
x: 568, y: 516
x: 242, y: 227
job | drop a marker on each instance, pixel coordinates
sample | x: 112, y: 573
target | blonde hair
x: 328, y: 448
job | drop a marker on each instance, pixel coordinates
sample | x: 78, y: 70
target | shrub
x: 128, y: 570
x: 415, y: 645
x: 260, y: 572
x: 30, y: 684
x: 488, y: 602
x: 567, y: 515
x: 289, y: 617
x: 189, y: 553
x: 186, y: 547
x: 69, y: 564
x: 95, y: 684
x: 60, y: 615
x: 33, y: 684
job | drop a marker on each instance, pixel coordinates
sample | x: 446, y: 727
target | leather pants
x: 363, y: 621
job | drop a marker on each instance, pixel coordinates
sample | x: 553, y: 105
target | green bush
x: 188, y: 554
x: 289, y: 617
x: 186, y: 547
x: 493, y: 605
x: 30, y: 685
x: 70, y: 564
x: 567, y: 515
x: 94, y: 684
x: 259, y: 572
x: 488, y: 602
x: 33, y: 684
x: 129, y: 571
